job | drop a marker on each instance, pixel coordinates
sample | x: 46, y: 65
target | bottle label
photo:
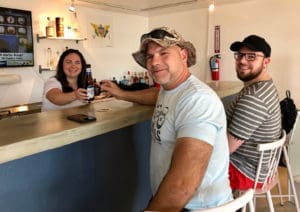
x: 50, y: 31
x: 90, y: 91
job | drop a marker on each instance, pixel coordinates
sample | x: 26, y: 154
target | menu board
x: 16, y: 39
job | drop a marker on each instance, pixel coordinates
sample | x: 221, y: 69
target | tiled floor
x: 262, y: 205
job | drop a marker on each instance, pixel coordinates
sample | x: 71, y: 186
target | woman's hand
x: 81, y: 95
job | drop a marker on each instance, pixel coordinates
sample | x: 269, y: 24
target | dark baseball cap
x: 253, y: 42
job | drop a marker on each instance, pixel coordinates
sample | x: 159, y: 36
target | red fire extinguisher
x: 214, y: 63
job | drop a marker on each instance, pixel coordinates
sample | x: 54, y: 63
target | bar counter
x: 29, y: 134
x: 225, y: 88
x: 49, y: 163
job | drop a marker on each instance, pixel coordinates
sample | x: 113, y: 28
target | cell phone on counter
x: 82, y: 118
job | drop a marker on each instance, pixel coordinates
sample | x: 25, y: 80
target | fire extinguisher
x: 214, y: 63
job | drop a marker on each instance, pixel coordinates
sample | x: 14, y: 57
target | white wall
x: 192, y: 25
x: 106, y: 61
x: 276, y: 20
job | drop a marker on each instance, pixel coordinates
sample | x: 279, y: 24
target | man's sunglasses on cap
x: 157, y: 34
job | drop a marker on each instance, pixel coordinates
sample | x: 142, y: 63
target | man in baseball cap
x: 188, y: 168
x: 252, y: 55
x: 254, y: 117
x: 254, y: 43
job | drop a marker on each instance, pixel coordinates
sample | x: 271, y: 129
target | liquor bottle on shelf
x: 129, y: 78
x: 49, y: 57
x: 59, y: 21
x: 157, y: 85
x: 90, y: 90
x: 146, y: 78
x: 50, y: 30
x: 124, y: 81
x: 135, y: 78
x: 114, y: 80
x: 97, y: 88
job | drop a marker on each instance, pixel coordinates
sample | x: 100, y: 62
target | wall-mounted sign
x: 217, y: 39
x: 16, y: 40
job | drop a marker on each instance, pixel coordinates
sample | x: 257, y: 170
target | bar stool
x: 268, y: 160
x: 290, y: 158
x: 240, y: 202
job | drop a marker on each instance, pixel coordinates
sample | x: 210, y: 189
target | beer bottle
x: 89, y: 83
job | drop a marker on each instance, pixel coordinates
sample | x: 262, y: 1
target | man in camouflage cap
x: 189, y: 147
x: 164, y: 37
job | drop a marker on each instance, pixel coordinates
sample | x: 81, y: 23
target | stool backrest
x: 234, y: 205
x: 269, y: 159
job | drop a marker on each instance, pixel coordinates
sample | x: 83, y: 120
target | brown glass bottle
x: 89, y: 84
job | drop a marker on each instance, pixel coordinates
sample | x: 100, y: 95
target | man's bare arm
x: 146, y: 96
x: 188, y: 166
x: 234, y: 143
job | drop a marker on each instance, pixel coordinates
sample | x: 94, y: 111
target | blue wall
x: 107, y: 173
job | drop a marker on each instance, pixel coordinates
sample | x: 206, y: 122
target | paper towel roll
x: 6, y: 79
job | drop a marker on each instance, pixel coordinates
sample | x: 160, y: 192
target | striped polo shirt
x: 254, y: 117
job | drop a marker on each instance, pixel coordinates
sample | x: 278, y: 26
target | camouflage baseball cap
x: 165, y: 37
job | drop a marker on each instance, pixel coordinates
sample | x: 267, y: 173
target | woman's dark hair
x: 61, y: 76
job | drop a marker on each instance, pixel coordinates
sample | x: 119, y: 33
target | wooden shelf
x: 38, y: 38
x: 41, y: 69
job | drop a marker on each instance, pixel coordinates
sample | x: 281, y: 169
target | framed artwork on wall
x: 100, y: 32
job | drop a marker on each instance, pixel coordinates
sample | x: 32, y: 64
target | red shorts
x: 239, y: 181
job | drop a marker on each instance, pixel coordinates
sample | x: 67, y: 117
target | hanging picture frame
x: 100, y: 32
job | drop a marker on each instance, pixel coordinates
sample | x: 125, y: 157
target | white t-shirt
x: 47, y: 105
x: 192, y: 110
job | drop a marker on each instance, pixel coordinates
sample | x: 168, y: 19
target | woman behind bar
x: 67, y: 88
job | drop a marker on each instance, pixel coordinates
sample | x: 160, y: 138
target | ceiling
x: 147, y: 7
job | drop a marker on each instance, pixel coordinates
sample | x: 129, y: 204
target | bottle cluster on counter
x: 135, y: 81
x: 136, y: 77
x: 130, y: 81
